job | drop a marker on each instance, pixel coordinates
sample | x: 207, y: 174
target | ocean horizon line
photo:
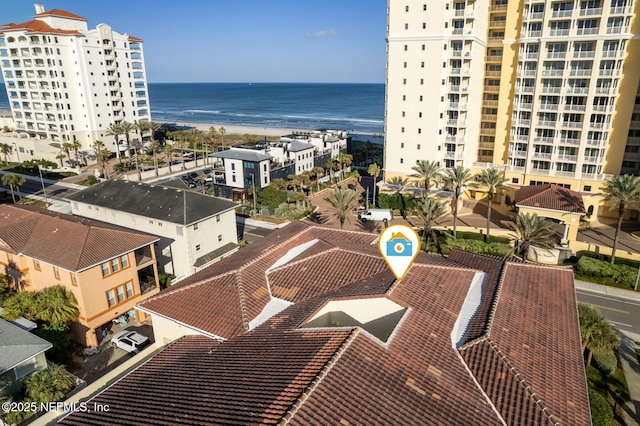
x: 261, y: 82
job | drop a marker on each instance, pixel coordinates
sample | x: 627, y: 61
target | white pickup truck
x: 129, y: 341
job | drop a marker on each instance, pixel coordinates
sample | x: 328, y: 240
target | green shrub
x: 606, y: 361
x: 600, y: 271
x: 92, y: 180
x: 396, y: 201
x: 605, y: 258
x: 165, y: 280
x: 493, y: 249
x: 601, y: 411
x: 466, y: 235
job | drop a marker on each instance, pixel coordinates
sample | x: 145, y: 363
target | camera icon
x: 399, y: 245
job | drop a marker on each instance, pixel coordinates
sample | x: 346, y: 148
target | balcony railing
x: 556, y: 55
x: 559, y: 32
x: 546, y: 123
x: 591, y: 11
x: 568, y: 157
x: 587, y: 31
x: 519, y: 154
x: 561, y: 13
x: 569, y: 141
x: 549, y: 107
x: 143, y: 256
x: 147, y: 284
x: 575, y: 107
x: 542, y: 155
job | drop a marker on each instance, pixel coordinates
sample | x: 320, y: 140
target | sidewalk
x: 631, y: 368
x: 608, y: 290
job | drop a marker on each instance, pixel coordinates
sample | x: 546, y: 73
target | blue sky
x: 242, y: 40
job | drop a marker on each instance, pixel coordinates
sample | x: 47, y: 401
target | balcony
x: 522, y: 138
x: 494, y: 58
x: 147, y: 283
x: 525, y: 89
x: 592, y: 159
x: 574, y: 107
x: 556, y: 55
x: 587, y: 31
x: 603, y: 90
x: 522, y: 105
x: 578, y: 90
x: 561, y: 13
x: 597, y: 126
x: 572, y: 124
x: 630, y: 141
x: 533, y: 34
x: 498, y: 7
x: 568, y: 157
x: 569, y: 141
x: 616, y: 30
x: 454, y: 88
x: 580, y: 72
x: 526, y: 73
x: 609, y: 53
x: 542, y: 155
x: 546, y: 123
x: 456, y: 53
x: 584, y: 54
x: 518, y: 154
x: 520, y: 122
x: 143, y: 256
x: 552, y: 73
x: 559, y: 32
x: 551, y: 89
x: 591, y: 11
x: 549, y: 107
x: 620, y: 10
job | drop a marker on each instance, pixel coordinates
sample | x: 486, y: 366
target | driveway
x: 93, y: 367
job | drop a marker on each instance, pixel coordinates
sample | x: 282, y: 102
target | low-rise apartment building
x: 194, y: 230
x: 108, y: 269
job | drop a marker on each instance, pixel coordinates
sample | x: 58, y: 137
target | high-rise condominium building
x: 545, y: 90
x: 67, y: 83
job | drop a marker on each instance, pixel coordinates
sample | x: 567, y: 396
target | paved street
x: 622, y: 313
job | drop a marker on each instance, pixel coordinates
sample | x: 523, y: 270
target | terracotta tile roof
x: 61, y: 13
x: 219, y: 383
x: 523, y: 366
x: 37, y: 27
x: 70, y: 242
x: 135, y: 39
x: 550, y: 197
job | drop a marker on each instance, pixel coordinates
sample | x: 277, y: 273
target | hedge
x: 467, y: 235
x: 606, y: 258
x: 599, y: 271
x: 601, y: 411
x: 606, y: 361
x: 493, y: 249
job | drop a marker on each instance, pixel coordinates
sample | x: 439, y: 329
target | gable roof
x: 18, y: 345
x: 551, y: 197
x: 296, y: 145
x: 70, y: 242
x: 179, y: 206
x: 420, y: 375
x: 60, y: 13
x: 239, y: 154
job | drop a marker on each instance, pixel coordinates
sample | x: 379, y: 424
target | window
x: 120, y: 294
x: 219, y: 237
x: 233, y: 166
x: 197, y: 247
x: 124, y: 261
x: 115, y: 266
x: 111, y: 298
x: 129, y: 288
x: 56, y: 272
x: 587, y: 188
x: 195, y: 227
x: 36, y: 264
x: 218, y: 218
x: 74, y: 279
x: 105, y: 270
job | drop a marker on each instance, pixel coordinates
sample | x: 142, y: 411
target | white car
x: 129, y: 341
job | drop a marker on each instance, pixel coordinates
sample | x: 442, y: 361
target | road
x: 622, y: 313
x: 54, y: 191
x: 251, y: 234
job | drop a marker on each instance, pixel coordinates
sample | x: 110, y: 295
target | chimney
x: 39, y: 8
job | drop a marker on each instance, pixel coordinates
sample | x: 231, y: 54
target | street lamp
x: 44, y: 192
x: 253, y: 195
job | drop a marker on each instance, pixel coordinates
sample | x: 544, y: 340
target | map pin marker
x: 399, y: 246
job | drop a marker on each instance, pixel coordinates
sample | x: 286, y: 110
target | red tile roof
x: 61, y: 13
x: 550, y: 197
x: 522, y: 364
x: 37, y: 27
x: 135, y: 39
x: 70, y: 242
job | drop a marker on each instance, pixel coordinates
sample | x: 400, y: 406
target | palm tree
x: 428, y: 211
x: 60, y: 157
x: 211, y: 134
x: 531, y: 230
x: 374, y: 170
x: 14, y: 182
x: 331, y: 165
x: 279, y: 183
x: 492, y: 180
x: 400, y: 183
x: 169, y: 149
x: 222, y: 131
x: 75, y: 146
x: 98, y: 147
x: 623, y: 191
x: 48, y: 385
x: 317, y: 171
x: 67, y: 147
x: 456, y: 179
x: 294, y: 180
x: 596, y: 332
x: 425, y: 172
x: 342, y: 200
x: 154, y: 145
x: 115, y: 130
x: 103, y: 156
x: 57, y: 307
x: 6, y: 149
x: 343, y: 160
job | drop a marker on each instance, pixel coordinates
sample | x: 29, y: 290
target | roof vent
x: 378, y: 315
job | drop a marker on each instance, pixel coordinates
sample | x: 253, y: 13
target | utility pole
x: 44, y: 192
x: 635, y: 287
x: 253, y: 195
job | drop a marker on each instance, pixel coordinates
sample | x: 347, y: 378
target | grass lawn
x: 32, y: 202
x: 14, y: 168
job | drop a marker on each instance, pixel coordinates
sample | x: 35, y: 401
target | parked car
x: 193, y: 175
x: 375, y: 214
x: 187, y: 154
x: 191, y: 184
x: 208, y: 178
x: 185, y: 177
x: 129, y: 341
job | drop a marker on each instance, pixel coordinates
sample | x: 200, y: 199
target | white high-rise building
x: 68, y: 83
x: 546, y: 90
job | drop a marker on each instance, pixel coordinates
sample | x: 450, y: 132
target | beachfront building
x: 240, y: 169
x: 545, y: 90
x: 194, y: 230
x: 108, y: 269
x: 67, y: 83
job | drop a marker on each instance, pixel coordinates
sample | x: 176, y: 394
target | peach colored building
x: 108, y: 268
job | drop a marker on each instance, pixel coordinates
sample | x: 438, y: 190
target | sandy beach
x: 251, y: 130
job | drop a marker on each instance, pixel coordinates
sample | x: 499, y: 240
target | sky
x: 333, y: 41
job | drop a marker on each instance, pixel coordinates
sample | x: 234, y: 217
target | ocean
x: 358, y: 108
